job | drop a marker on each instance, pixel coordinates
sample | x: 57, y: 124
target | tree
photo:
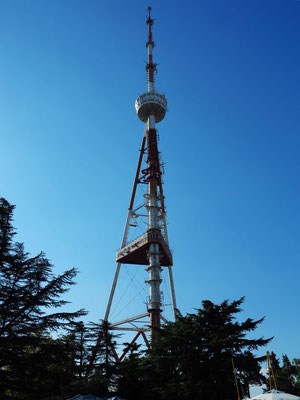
x: 191, y: 358
x: 131, y: 382
x: 296, y: 362
x: 94, y: 364
x: 287, y: 376
x: 30, y: 295
x: 102, y: 367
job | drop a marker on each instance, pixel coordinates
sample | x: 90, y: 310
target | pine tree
x: 102, y: 367
x: 192, y: 356
x: 30, y: 296
x: 130, y: 377
x: 287, y: 376
x: 296, y: 363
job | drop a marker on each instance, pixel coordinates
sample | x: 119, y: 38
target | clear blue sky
x: 69, y: 75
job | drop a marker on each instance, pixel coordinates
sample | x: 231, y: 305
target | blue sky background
x: 69, y: 75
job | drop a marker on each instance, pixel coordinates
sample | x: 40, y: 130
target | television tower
x: 152, y: 247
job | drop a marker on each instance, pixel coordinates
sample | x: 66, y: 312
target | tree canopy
x: 286, y: 374
x: 191, y: 358
x: 48, y: 353
x: 30, y: 304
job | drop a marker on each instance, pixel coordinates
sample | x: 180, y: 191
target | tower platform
x: 151, y: 103
x: 136, y: 252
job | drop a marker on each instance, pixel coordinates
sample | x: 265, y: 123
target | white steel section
x: 112, y: 292
x: 151, y: 122
x: 174, y: 305
x: 164, y: 226
x: 126, y: 229
x: 154, y: 277
x: 153, y: 208
x: 150, y: 86
x: 125, y: 321
x: 117, y: 328
x: 164, y: 319
x: 113, y: 288
x: 151, y: 103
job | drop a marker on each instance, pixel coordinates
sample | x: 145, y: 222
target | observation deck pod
x: 151, y: 103
x: 136, y: 252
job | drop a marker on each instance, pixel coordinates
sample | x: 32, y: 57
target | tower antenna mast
x: 152, y: 248
x: 150, y: 67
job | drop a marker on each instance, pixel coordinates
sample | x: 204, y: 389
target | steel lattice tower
x: 152, y: 248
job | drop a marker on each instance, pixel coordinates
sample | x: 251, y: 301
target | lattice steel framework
x: 151, y: 249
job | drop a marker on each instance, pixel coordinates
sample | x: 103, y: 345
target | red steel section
x: 131, y: 343
x: 153, y: 161
x: 136, y: 180
x: 161, y: 194
x: 154, y: 321
x: 150, y: 67
x: 149, y: 23
x: 114, y: 353
x: 146, y: 340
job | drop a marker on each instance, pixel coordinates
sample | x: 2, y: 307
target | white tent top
x: 275, y: 395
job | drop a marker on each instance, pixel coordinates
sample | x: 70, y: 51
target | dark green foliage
x: 102, y: 363
x: 94, y: 367
x: 287, y: 376
x: 296, y: 363
x: 132, y: 374
x: 30, y: 294
x: 191, y: 359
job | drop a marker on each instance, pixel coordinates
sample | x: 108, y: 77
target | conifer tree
x: 131, y: 374
x: 30, y: 299
x: 102, y: 367
x: 192, y: 356
x: 287, y: 375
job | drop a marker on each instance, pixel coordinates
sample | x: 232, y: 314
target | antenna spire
x: 150, y: 67
x: 149, y: 22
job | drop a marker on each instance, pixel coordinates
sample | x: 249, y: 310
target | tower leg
x: 113, y: 288
x: 171, y: 280
x: 125, y: 234
x: 112, y: 292
x: 172, y: 291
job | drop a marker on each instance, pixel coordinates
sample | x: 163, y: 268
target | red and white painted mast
x: 151, y: 108
x: 152, y: 248
x: 150, y: 67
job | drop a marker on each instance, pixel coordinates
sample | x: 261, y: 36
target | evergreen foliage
x: 287, y: 375
x: 102, y: 363
x: 30, y: 297
x: 132, y: 374
x: 191, y: 358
